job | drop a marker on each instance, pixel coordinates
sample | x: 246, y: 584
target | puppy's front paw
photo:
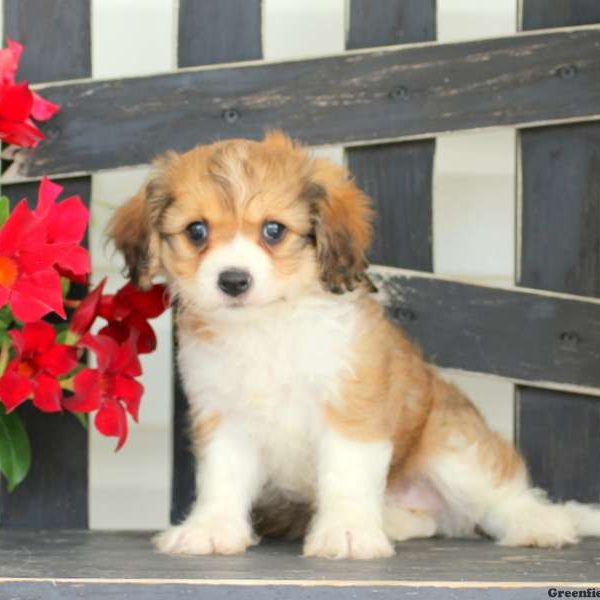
x: 332, y: 538
x: 206, y: 536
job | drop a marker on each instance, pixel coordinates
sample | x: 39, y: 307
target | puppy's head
x: 241, y: 223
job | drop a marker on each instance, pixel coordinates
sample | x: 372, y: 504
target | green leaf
x: 6, y: 317
x: 4, y: 209
x: 15, y: 452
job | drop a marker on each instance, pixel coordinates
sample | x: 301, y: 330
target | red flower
x: 86, y: 312
x: 35, y: 247
x: 66, y: 223
x: 33, y: 372
x: 110, y: 388
x: 18, y: 103
x: 28, y: 281
x: 129, y: 310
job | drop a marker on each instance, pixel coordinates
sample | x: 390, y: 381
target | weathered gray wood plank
x: 57, y: 37
x: 560, y: 250
x: 398, y: 177
x: 499, y: 331
x: 373, y: 95
x: 129, y: 556
x: 209, y: 32
x: 24, y: 590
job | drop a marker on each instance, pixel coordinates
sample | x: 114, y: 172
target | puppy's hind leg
x: 490, y: 483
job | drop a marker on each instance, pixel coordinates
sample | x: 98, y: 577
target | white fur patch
x: 269, y: 371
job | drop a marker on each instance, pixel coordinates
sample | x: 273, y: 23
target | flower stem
x: 4, y: 354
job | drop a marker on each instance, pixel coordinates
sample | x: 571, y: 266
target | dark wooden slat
x: 118, y: 556
x: 560, y: 250
x: 514, y: 334
x: 57, y: 37
x: 398, y: 177
x: 55, y: 493
x: 561, y: 209
x: 545, y: 14
x: 559, y: 437
x: 378, y: 94
x: 216, y: 32
x: 387, y: 22
x: 209, y: 32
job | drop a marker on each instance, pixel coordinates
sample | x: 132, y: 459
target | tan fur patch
x: 202, y: 430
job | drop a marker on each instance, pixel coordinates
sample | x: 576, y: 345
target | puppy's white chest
x: 271, y: 377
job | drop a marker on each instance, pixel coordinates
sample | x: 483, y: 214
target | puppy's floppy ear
x: 133, y: 228
x: 342, y: 217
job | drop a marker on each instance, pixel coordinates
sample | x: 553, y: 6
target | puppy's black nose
x: 234, y: 281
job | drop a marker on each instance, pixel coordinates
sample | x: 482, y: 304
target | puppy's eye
x: 273, y: 232
x: 197, y: 232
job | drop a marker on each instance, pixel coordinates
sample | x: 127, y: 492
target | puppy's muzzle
x: 234, y: 282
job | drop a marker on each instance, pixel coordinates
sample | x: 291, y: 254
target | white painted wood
x: 474, y: 197
x: 131, y: 489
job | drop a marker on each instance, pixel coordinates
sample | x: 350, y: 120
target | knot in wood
x: 403, y: 313
x: 231, y: 115
x: 567, y: 71
x: 399, y: 93
x: 570, y: 338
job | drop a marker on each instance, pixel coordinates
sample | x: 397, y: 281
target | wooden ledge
x: 75, y: 564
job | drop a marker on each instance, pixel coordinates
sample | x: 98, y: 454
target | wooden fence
x: 386, y: 98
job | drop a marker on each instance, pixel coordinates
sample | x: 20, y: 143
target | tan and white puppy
x: 311, y: 413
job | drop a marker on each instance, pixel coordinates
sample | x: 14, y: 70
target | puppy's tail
x: 586, y: 518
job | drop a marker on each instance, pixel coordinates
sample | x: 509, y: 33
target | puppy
x: 311, y: 414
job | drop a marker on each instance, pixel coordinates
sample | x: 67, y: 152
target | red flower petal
x: 15, y: 102
x: 58, y: 360
x: 9, y: 61
x: 130, y: 391
x: 34, y: 337
x: 14, y: 389
x: 151, y: 303
x: 104, y: 348
x: 111, y: 310
x: 4, y: 295
x: 146, y: 337
x: 126, y: 361
x: 48, y: 192
x: 43, y: 109
x: 68, y: 221
x: 85, y: 314
x: 20, y: 229
x: 37, y: 260
x: 46, y: 393
x: 24, y: 134
x: 111, y: 420
x: 117, y: 330
x: 36, y: 295
x: 71, y: 258
x: 88, y: 393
